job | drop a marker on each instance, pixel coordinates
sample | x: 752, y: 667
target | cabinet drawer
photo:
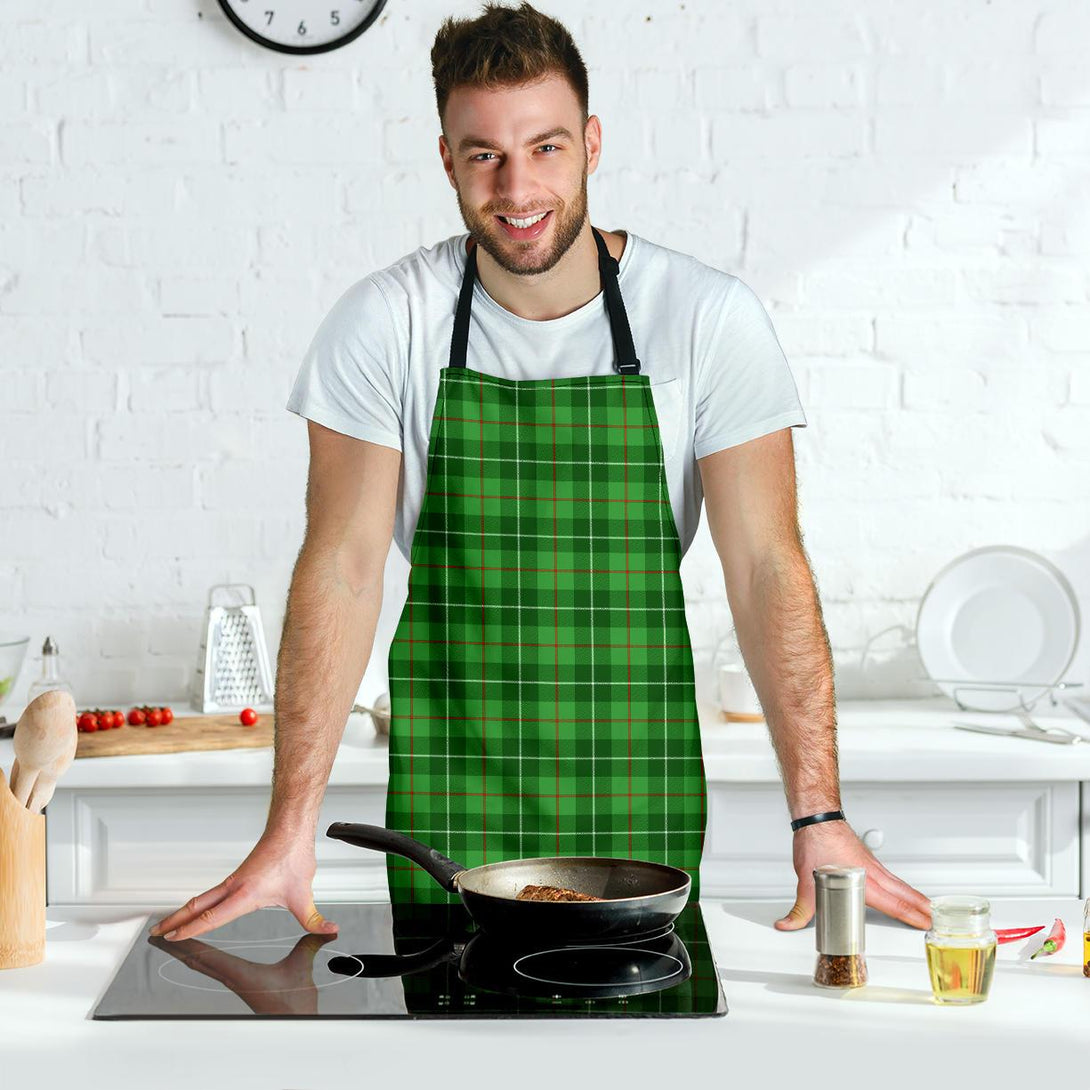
x: 995, y: 839
x: 162, y: 847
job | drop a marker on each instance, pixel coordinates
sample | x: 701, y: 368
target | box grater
x: 233, y: 664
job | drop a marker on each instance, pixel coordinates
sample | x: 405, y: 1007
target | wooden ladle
x: 45, y: 743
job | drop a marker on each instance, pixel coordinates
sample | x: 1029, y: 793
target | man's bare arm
x: 753, y: 517
x: 751, y: 502
x: 329, y: 629
x: 782, y: 633
x: 332, y: 613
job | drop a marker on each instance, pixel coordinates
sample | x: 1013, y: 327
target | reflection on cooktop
x: 409, y: 961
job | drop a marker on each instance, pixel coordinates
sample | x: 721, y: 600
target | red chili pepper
x: 1013, y: 934
x: 1054, y: 942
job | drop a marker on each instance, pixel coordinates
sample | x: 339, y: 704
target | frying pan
x: 639, y: 896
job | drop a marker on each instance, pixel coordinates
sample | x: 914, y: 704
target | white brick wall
x: 905, y: 186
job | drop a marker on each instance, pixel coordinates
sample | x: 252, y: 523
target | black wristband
x: 813, y: 819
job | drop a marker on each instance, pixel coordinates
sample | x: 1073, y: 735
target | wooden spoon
x: 45, y: 743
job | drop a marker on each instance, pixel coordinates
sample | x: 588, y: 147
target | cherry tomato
x: 155, y: 717
x: 136, y: 717
x: 247, y: 717
x: 86, y: 721
x: 119, y: 718
x: 168, y: 715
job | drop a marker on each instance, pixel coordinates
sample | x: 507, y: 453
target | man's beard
x: 508, y: 253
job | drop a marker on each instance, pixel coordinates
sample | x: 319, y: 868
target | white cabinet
x: 994, y: 839
x: 162, y: 846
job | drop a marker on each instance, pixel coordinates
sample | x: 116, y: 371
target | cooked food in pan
x: 553, y: 893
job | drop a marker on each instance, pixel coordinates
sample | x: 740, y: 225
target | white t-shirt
x: 718, y: 375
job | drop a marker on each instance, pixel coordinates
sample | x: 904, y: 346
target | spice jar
x: 839, y: 915
x: 960, y: 949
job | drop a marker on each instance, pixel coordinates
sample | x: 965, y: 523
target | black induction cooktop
x: 410, y: 961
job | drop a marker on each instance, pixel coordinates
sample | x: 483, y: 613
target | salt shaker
x: 839, y: 916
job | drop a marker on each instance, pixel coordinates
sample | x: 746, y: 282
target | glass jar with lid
x: 960, y: 949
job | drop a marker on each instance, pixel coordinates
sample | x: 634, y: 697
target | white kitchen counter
x: 879, y: 741
x: 780, y: 1029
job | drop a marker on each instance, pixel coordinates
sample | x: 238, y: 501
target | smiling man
x: 534, y: 410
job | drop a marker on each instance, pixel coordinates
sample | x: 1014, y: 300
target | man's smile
x: 524, y: 228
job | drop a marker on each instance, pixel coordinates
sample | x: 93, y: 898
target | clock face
x: 302, y: 26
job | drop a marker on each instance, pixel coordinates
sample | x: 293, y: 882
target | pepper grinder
x: 839, y: 916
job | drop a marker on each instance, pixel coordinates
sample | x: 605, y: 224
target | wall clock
x: 302, y: 26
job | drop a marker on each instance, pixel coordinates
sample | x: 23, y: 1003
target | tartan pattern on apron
x: 541, y: 674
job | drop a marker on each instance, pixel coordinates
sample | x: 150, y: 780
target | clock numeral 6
x: 279, y: 26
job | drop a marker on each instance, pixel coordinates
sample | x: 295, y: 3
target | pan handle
x: 386, y: 965
x: 442, y: 869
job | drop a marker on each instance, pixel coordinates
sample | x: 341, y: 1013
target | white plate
x: 998, y: 616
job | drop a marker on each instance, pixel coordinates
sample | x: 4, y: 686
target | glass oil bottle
x: 960, y: 950
x: 1086, y: 938
x: 51, y: 676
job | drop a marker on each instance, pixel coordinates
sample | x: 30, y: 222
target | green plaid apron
x: 541, y: 674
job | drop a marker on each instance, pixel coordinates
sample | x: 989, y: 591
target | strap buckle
x: 630, y: 368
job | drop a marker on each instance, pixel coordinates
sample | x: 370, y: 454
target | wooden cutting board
x: 186, y: 732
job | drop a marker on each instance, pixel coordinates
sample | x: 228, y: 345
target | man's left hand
x: 835, y: 842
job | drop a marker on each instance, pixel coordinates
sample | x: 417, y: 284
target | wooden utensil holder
x: 22, y: 882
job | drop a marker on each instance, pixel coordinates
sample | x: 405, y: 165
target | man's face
x: 514, y: 153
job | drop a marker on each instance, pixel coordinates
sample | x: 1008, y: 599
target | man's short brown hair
x: 504, y: 47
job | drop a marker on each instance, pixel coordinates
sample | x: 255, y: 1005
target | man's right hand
x: 278, y: 871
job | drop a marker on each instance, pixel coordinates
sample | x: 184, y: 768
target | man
x: 533, y: 410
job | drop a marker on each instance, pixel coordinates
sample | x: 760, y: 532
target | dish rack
x: 964, y: 686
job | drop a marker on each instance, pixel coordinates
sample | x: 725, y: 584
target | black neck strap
x: 625, y: 361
